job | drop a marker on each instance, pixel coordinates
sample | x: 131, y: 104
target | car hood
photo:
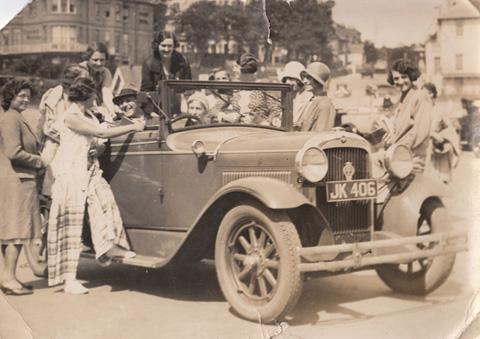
x: 231, y: 139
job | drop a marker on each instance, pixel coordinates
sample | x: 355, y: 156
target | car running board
x: 138, y: 260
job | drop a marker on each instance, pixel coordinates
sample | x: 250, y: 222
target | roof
x: 460, y: 9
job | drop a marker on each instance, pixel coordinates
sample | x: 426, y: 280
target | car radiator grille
x: 349, y: 216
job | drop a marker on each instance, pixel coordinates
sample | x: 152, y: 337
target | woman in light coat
x: 19, y: 165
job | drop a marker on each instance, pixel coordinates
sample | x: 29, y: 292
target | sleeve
x: 147, y: 84
x: 421, y: 124
x: 107, y: 81
x: 187, y: 71
x: 324, y: 116
x: 11, y: 131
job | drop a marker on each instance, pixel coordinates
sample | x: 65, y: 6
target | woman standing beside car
x: 413, y: 114
x: 165, y: 63
x: 79, y: 188
x: 19, y: 164
x: 96, y: 57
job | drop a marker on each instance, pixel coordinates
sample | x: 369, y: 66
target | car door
x: 133, y: 167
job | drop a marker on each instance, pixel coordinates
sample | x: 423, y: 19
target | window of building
x: 459, y: 62
x: 64, y: 6
x: 63, y: 36
x: 32, y: 9
x: 437, y: 65
x: 118, y: 41
x: 107, y: 14
x: 98, y: 9
x: 144, y: 16
x: 118, y: 13
x: 459, y: 27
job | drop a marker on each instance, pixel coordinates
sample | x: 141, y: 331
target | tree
x: 370, y: 52
x: 199, y: 22
x: 303, y: 27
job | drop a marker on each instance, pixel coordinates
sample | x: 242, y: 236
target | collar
x: 54, y: 96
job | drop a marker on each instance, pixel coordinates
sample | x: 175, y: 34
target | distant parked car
x: 367, y: 70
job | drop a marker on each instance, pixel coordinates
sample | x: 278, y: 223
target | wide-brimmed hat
x: 292, y: 70
x: 319, y: 71
x: 125, y: 93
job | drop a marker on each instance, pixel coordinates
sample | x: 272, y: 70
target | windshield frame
x: 168, y: 87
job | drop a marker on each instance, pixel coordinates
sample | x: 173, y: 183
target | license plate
x: 351, y: 190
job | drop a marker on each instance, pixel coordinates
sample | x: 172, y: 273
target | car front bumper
x: 386, y: 248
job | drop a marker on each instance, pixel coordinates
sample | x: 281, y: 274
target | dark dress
x: 19, y: 161
x: 152, y: 71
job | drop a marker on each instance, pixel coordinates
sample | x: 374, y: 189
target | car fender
x: 273, y: 193
x: 402, y: 211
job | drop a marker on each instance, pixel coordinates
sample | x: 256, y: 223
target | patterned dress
x: 79, y: 187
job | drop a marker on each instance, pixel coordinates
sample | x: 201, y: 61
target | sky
x: 388, y: 23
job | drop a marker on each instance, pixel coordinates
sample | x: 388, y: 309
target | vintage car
x: 272, y: 206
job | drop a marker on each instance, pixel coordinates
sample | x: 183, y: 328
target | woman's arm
x: 10, y: 130
x: 147, y: 82
x: 80, y: 125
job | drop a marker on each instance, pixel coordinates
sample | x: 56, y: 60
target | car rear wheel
x: 36, y: 249
x: 257, y: 261
x: 424, y: 275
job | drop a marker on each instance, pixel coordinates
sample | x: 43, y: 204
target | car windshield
x: 198, y: 103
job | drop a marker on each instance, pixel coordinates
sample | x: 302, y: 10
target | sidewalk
x: 12, y: 325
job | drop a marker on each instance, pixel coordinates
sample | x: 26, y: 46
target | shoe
x: 16, y: 291
x: 104, y: 260
x: 28, y: 287
x: 118, y: 252
x: 74, y: 287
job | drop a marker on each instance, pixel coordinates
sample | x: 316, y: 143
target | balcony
x: 43, y: 48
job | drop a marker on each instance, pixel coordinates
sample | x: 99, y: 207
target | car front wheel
x: 424, y: 275
x: 257, y: 261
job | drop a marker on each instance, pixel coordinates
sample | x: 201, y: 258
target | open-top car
x: 270, y: 205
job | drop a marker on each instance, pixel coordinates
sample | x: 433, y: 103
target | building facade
x: 451, y: 53
x: 68, y: 26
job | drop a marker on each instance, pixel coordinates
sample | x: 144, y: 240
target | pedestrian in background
x: 96, y: 57
x: 445, y: 149
x: 52, y: 106
x: 164, y: 63
x: 19, y: 165
x: 413, y: 114
x: 78, y: 188
x: 318, y: 114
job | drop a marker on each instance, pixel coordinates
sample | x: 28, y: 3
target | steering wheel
x: 191, y: 120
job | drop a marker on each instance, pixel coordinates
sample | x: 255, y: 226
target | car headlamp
x: 399, y: 161
x: 312, y: 164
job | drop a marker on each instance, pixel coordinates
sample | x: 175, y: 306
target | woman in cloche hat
x: 319, y: 113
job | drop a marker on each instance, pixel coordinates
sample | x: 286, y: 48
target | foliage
x: 303, y: 27
x: 371, y: 52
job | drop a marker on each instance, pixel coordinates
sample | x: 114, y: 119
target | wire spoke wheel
x: 258, y: 262
x: 36, y: 249
x: 422, y: 275
x: 251, y: 248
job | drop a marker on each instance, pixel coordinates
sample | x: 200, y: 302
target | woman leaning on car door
x: 19, y: 164
x: 78, y: 188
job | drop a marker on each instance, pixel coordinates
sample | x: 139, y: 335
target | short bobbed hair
x: 95, y: 47
x: 70, y: 73
x: 159, y: 37
x: 10, y: 90
x: 403, y: 67
x: 81, y: 89
x: 431, y: 88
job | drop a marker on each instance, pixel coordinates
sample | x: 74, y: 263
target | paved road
x: 128, y: 302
